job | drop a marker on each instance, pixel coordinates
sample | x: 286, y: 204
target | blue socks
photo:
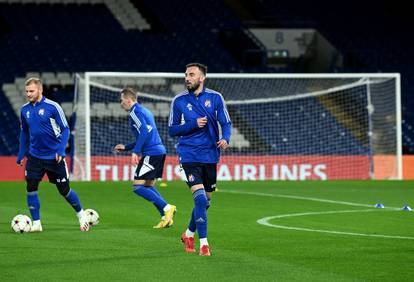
x: 160, y: 210
x: 192, y: 225
x: 154, y: 190
x: 73, y: 200
x: 34, y: 204
x: 200, y: 213
x: 151, y: 194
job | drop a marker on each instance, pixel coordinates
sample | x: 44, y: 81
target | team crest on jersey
x: 190, y: 178
x: 27, y: 114
x: 189, y: 107
x: 41, y: 112
x: 207, y: 104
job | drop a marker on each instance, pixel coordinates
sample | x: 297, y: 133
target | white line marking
x: 265, y: 221
x: 304, y: 198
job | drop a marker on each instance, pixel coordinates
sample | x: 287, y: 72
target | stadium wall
x: 241, y: 168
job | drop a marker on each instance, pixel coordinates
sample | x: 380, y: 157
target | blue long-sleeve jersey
x: 147, y: 139
x: 199, y: 144
x: 44, y: 130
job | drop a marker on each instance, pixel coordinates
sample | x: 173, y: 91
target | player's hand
x: 201, y: 122
x: 58, y: 158
x: 119, y: 148
x: 222, y: 144
x: 134, y: 159
x: 20, y: 162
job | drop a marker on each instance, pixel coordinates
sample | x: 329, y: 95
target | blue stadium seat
x: 46, y: 38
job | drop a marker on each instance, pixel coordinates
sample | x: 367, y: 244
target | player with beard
x: 194, y: 118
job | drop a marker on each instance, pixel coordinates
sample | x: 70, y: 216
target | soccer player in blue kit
x: 151, y: 165
x: 44, y: 135
x: 194, y: 118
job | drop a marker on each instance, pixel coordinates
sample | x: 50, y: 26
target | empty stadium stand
x: 54, y: 39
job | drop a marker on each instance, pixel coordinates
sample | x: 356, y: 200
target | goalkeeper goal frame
x: 88, y: 80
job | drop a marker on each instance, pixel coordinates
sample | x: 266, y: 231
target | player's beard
x: 192, y: 87
x: 34, y: 98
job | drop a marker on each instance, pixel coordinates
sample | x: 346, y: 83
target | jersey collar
x: 201, y: 93
x: 133, y: 107
x: 39, y: 102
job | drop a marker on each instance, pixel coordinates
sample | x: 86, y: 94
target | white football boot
x: 36, y: 226
x: 83, y: 221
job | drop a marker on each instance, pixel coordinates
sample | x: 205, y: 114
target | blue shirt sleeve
x: 142, y: 130
x: 24, y: 139
x: 130, y: 146
x: 224, y: 119
x: 65, y: 138
x: 63, y: 124
x: 175, y: 128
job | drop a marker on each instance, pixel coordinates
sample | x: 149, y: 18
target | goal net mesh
x: 284, y: 128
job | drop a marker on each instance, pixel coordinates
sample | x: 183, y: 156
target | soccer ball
x: 92, y: 216
x: 21, y: 223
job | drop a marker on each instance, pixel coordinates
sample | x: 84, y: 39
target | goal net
x: 285, y: 127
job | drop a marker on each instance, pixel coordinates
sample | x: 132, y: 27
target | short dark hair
x: 129, y: 92
x: 201, y: 67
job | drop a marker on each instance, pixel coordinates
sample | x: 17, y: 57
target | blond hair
x: 33, y: 80
x: 129, y: 92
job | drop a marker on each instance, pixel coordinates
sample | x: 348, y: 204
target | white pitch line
x: 265, y: 221
x: 304, y: 198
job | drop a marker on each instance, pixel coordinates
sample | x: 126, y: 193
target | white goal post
x: 285, y: 126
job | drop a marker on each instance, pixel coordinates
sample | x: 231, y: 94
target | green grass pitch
x: 258, y: 231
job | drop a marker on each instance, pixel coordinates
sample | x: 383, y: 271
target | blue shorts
x: 150, y: 167
x: 201, y: 173
x: 56, y: 172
